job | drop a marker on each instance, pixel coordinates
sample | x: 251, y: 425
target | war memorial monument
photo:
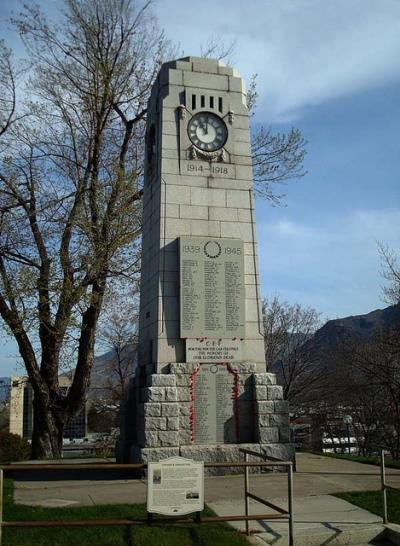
x: 201, y: 389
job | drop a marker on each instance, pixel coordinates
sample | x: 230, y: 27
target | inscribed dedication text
x: 212, y: 288
x: 215, y: 405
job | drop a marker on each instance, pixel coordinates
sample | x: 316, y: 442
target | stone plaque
x: 175, y: 486
x: 205, y: 168
x: 215, y: 399
x: 211, y: 288
x: 213, y: 350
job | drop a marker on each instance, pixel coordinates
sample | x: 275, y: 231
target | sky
x: 331, y: 69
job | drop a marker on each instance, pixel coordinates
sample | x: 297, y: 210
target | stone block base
x: 222, y: 453
x: 158, y: 418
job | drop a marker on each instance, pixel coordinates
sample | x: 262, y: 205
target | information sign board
x: 175, y: 486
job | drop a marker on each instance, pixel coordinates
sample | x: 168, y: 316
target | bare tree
x: 363, y: 381
x: 70, y: 190
x: 288, y: 328
x: 277, y: 158
x: 118, y: 333
x: 391, y: 273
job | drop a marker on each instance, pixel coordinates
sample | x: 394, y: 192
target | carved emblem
x: 231, y: 117
x: 218, y: 155
x: 182, y: 111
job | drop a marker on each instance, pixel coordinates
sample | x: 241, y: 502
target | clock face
x: 207, y: 131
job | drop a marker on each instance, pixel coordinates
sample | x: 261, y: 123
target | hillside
x: 360, y: 327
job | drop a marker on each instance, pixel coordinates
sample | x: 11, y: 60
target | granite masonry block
x: 151, y: 439
x: 178, y: 195
x: 275, y: 393
x: 285, y: 452
x: 281, y: 406
x: 226, y: 70
x: 264, y: 379
x: 279, y: 419
x: 238, y: 199
x: 184, y: 409
x: 185, y: 437
x: 153, y: 394
x: 223, y: 214
x: 183, y: 367
x: 205, y: 81
x: 264, y: 420
x: 268, y: 435
x: 244, y: 215
x: 167, y: 439
x: 161, y: 380
x: 152, y: 409
x: 182, y: 380
x: 200, y: 65
x: 264, y: 407
x: 184, y: 422
x: 170, y: 409
x: 156, y: 454
x: 261, y: 392
x: 205, y: 228
x: 243, y: 367
x: 284, y: 434
x: 237, y: 230
x: 183, y: 394
x: 208, y: 197
x: 194, y: 212
x: 170, y: 394
x: 155, y: 423
x: 172, y: 423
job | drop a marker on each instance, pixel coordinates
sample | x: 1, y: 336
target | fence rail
x: 385, y: 487
x: 283, y: 513
x: 246, y: 464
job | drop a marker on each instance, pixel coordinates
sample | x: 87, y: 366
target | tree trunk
x: 47, y: 434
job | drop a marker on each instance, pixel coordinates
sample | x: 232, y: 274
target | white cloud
x: 305, y: 51
x: 333, y: 266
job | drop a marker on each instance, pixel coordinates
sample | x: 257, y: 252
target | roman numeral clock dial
x: 207, y: 131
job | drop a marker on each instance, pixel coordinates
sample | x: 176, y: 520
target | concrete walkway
x: 319, y: 517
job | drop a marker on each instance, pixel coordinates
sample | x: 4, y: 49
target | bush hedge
x: 13, y: 447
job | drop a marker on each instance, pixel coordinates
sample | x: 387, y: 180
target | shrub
x: 13, y: 447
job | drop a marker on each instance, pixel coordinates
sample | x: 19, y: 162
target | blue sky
x: 330, y: 68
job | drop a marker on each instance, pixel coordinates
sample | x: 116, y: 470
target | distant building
x: 5, y: 383
x: 21, y: 410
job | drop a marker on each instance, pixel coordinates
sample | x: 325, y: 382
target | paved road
x: 315, y: 475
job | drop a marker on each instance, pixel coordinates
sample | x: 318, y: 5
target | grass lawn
x: 190, y: 534
x: 389, y: 463
x: 372, y: 501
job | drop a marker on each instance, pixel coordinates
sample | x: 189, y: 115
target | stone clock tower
x: 201, y: 389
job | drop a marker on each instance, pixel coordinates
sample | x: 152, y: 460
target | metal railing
x: 28, y: 468
x: 385, y: 487
x: 282, y: 513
